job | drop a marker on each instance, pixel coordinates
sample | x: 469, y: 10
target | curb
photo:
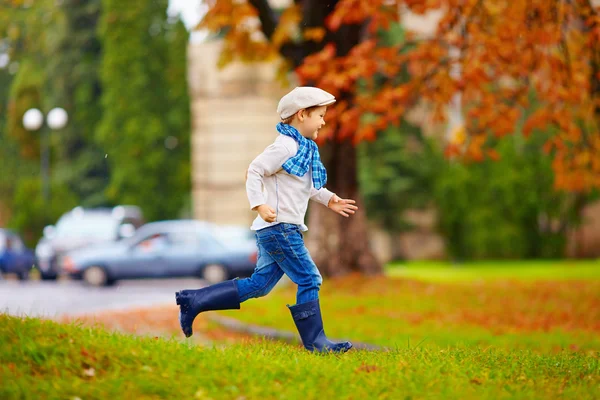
x: 278, y: 335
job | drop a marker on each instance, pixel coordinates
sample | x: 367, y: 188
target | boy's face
x: 310, y: 123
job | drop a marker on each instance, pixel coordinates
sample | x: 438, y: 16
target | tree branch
x: 266, y: 15
x: 314, y: 14
x: 268, y: 21
x: 562, y: 25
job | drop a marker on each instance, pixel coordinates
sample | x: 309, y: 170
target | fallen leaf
x: 367, y: 368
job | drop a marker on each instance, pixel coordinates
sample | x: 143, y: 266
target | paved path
x: 53, y: 299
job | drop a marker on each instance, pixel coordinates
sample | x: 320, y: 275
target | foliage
x: 26, y: 39
x: 506, y: 208
x: 58, y: 51
x: 12, y: 166
x: 178, y: 115
x: 493, y: 53
x: 25, y: 93
x: 73, y: 83
x: 9, y: 152
x: 53, y: 52
x: 487, y: 210
x: 397, y: 173
x: 19, y: 149
x: 31, y: 213
x: 140, y: 113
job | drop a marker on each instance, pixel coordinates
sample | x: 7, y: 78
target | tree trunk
x: 340, y: 245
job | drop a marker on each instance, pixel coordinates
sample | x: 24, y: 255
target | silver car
x: 178, y: 248
x: 82, y: 227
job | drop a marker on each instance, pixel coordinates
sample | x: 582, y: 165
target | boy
x: 279, y: 183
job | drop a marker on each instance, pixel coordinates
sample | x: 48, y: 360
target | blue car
x: 178, y: 248
x: 15, y: 257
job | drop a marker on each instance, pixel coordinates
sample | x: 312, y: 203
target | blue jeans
x: 281, y: 250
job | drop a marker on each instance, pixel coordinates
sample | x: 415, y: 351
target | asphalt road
x: 53, y: 299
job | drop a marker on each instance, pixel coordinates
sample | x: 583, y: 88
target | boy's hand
x: 343, y: 207
x: 266, y: 213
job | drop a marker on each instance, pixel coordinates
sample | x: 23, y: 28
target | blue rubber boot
x: 220, y: 296
x: 308, y: 320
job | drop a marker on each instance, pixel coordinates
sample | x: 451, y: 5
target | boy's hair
x: 308, y: 110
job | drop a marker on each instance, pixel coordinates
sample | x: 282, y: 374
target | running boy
x: 280, y: 182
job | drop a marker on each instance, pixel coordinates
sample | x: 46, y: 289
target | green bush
x: 396, y: 173
x: 31, y: 213
x: 507, y: 208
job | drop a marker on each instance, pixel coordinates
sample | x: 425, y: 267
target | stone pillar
x: 233, y: 120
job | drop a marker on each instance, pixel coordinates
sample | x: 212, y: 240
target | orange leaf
x: 314, y: 34
x: 493, y: 154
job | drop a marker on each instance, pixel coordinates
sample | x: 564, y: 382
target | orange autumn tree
x: 497, y: 55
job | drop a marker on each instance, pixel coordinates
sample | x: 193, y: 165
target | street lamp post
x: 33, y: 120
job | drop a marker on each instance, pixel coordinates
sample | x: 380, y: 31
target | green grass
x: 438, y: 271
x: 507, y: 309
x: 45, y: 360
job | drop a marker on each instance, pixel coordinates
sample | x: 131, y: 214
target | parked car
x: 82, y: 227
x: 15, y: 257
x: 178, y: 248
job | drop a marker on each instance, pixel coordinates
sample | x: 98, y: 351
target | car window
x: 232, y: 236
x: 16, y: 244
x: 187, y: 238
x: 87, y: 226
x: 136, y: 222
x: 154, y: 242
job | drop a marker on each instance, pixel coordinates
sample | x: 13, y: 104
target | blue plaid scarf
x: 308, y: 154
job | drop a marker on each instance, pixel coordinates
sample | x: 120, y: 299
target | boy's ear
x: 301, y: 115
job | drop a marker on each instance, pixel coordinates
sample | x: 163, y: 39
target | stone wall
x: 233, y: 120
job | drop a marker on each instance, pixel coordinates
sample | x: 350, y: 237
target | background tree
x: 53, y: 52
x: 9, y: 149
x: 23, y: 42
x: 519, y: 67
x: 20, y: 89
x: 145, y: 125
x: 57, y: 58
x: 504, y: 51
x: 73, y: 83
x: 397, y: 172
x: 505, y: 209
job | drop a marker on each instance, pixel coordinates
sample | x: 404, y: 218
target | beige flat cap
x: 303, y: 97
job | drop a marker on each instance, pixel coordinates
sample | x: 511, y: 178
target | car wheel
x: 214, y: 273
x: 95, y: 276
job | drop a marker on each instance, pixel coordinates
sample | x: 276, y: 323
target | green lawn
x: 478, y: 331
x: 477, y: 305
x: 495, y: 270
x: 46, y: 360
